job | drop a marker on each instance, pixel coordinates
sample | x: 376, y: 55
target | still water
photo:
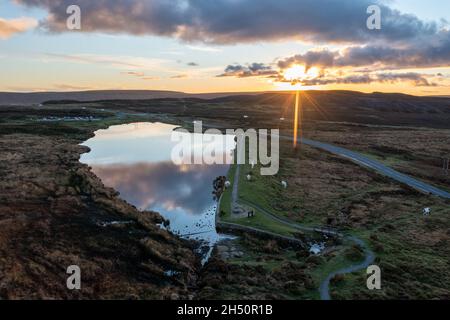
x: 135, y: 160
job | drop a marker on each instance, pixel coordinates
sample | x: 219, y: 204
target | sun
x: 296, y: 72
x: 294, y: 77
x: 299, y: 73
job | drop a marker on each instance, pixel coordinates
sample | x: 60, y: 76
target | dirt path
x: 324, y: 288
x: 235, y: 193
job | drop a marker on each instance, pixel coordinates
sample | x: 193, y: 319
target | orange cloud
x: 12, y: 26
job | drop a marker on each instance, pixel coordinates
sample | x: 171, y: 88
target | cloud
x: 315, y: 58
x: 192, y: 64
x: 134, y: 73
x: 119, y: 62
x: 324, y: 78
x: 150, y: 78
x: 416, y: 79
x: 179, y: 76
x: 140, y: 75
x: 68, y: 87
x: 419, y: 80
x: 426, y: 53
x: 251, y: 70
x: 204, y: 49
x: 404, y: 42
x: 10, y: 27
x: 93, y: 59
x: 243, y: 21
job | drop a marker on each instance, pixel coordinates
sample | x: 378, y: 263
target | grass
x: 225, y: 202
x: 260, y: 220
x: 274, y: 264
x: 411, y: 267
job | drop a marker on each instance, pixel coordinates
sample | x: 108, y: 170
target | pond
x: 135, y: 160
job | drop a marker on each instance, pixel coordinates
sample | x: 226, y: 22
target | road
x: 382, y: 169
x: 375, y: 165
x: 363, y: 161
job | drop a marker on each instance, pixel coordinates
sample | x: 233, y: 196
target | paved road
x: 375, y: 165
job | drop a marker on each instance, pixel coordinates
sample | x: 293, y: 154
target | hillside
x: 13, y: 98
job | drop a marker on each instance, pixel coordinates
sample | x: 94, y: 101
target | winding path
x: 324, y: 289
x: 362, y: 160
x: 235, y: 202
x: 353, y: 156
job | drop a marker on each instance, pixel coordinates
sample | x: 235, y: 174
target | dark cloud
x: 430, y: 52
x: 192, y: 64
x: 251, y: 70
x: 227, y: 22
x: 417, y: 79
x: 140, y: 75
x: 404, y: 40
x: 262, y: 70
x: 179, y: 76
x: 322, y: 59
x: 134, y: 73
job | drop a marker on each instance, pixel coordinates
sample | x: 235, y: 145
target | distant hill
x: 12, y: 98
x: 342, y: 106
x: 350, y: 106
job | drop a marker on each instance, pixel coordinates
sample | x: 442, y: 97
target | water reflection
x: 181, y: 194
x: 135, y: 160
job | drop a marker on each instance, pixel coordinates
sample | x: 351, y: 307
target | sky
x: 225, y: 46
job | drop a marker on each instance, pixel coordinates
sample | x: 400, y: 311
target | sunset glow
x: 296, y: 118
x: 298, y: 72
x: 219, y: 151
x: 208, y: 55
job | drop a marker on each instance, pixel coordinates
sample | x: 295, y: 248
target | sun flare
x: 294, y: 77
x: 295, y: 73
